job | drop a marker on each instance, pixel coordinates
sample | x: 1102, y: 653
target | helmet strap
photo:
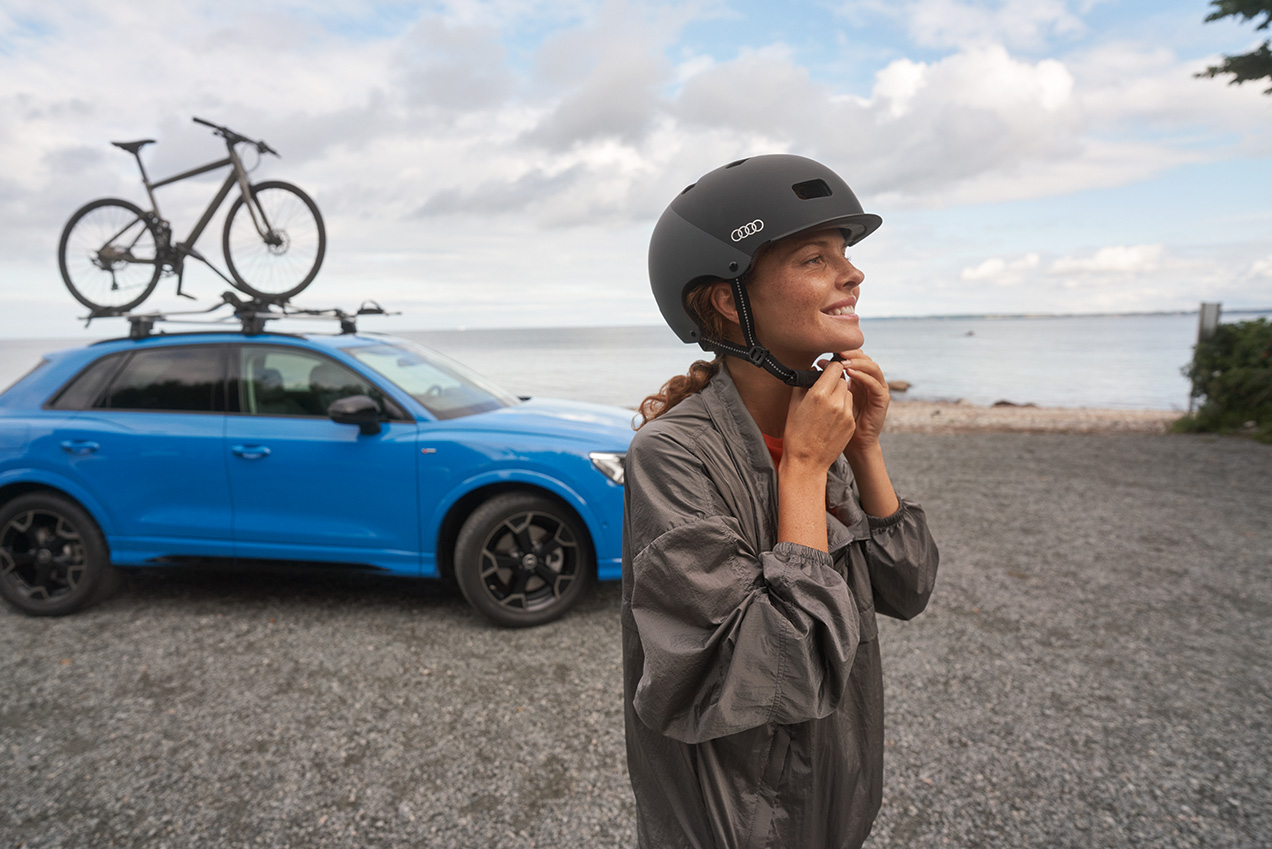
x: 755, y: 353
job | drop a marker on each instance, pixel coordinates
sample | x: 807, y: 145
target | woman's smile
x: 843, y: 309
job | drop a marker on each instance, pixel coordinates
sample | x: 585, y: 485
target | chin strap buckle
x: 757, y: 354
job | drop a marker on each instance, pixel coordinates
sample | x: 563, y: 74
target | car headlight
x: 610, y: 464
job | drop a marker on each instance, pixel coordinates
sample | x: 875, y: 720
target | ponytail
x: 712, y: 326
x: 677, y: 389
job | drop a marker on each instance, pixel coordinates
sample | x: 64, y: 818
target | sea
x: 1132, y: 362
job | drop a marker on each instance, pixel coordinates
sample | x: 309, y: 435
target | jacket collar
x: 730, y: 415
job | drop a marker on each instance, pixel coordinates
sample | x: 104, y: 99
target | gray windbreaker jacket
x: 754, y: 696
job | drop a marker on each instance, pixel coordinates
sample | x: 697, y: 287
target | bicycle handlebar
x: 233, y: 138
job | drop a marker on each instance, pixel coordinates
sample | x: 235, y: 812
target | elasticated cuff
x: 794, y: 554
x: 882, y: 524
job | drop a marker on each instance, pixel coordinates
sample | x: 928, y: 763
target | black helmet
x: 714, y: 228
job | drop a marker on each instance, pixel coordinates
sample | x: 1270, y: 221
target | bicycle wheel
x: 285, y: 260
x: 108, y: 255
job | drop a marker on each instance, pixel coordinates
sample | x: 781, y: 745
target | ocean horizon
x: 1113, y: 360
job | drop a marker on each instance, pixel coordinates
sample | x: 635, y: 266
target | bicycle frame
x: 237, y: 176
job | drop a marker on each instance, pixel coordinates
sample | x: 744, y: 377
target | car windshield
x: 447, y: 389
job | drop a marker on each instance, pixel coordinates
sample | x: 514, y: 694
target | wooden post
x: 1207, y: 324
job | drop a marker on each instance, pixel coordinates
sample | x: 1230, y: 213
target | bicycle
x: 112, y: 252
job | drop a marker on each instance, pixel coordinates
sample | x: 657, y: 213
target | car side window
x: 278, y: 381
x: 188, y: 379
x: 85, y: 388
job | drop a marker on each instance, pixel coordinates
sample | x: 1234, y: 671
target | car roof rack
x: 252, y: 315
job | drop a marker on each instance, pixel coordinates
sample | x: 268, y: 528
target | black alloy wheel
x: 53, y: 558
x: 522, y: 559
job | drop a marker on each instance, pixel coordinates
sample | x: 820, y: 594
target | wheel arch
x: 14, y: 488
x: 459, y: 511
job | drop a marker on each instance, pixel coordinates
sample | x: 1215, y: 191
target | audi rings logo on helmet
x: 747, y: 230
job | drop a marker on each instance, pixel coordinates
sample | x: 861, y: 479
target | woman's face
x: 804, y: 296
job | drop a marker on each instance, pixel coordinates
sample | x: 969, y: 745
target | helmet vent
x: 810, y: 189
x: 736, y: 163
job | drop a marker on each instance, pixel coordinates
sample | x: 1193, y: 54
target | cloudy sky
x: 502, y: 162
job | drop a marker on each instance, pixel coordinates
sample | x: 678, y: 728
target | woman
x: 752, y: 569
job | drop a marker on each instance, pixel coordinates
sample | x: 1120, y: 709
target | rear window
x: 85, y: 388
x: 185, y: 380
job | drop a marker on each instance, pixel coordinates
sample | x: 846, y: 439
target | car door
x: 306, y: 488
x: 149, y: 446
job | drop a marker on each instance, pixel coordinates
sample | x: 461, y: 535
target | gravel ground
x: 1095, y: 669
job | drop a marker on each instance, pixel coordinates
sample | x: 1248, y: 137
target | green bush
x: 1232, y: 371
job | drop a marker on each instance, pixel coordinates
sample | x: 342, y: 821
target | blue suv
x: 353, y: 450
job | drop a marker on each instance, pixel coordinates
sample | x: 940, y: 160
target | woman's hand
x: 820, y: 422
x: 864, y: 454
x: 819, y: 425
x: 870, y: 399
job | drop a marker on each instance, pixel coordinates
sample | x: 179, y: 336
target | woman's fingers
x: 870, y: 391
x: 820, y: 422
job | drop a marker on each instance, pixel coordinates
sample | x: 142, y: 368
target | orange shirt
x: 774, y: 445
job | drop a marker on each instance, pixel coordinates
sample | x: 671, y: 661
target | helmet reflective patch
x: 747, y: 230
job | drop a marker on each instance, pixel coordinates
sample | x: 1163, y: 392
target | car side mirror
x: 359, y: 410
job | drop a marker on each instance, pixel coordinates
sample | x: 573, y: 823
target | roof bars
x: 251, y: 314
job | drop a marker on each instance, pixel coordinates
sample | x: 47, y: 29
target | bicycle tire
x: 104, y: 241
x: 274, y: 272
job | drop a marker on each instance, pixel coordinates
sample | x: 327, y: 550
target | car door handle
x: 251, y: 452
x: 79, y: 446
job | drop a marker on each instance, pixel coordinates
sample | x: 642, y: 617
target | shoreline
x: 961, y: 416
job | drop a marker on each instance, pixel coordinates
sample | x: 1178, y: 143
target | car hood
x: 604, y: 427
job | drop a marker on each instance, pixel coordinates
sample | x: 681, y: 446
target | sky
x: 501, y: 163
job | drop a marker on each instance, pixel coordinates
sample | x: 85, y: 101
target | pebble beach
x: 957, y: 417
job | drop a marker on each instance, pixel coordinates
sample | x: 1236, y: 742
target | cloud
x: 929, y: 129
x: 444, y: 109
x: 1115, y: 259
x: 558, y: 131
x: 446, y: 68
x: 1261, y: 267
x: 1002, y: 272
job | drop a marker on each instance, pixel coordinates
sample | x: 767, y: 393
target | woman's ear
x: 722, y: 302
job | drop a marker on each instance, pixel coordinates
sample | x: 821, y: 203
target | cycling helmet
x: 714, y: 229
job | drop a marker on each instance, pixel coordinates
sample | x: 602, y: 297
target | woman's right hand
x: 820, y: 421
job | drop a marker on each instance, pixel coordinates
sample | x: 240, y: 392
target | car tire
x: 522, y: 559
x: 53, y: 557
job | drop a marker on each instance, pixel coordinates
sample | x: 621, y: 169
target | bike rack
x: 252, y: 316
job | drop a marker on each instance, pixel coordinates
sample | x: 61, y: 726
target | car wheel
x: 53, y: 557
x: 522, y: 559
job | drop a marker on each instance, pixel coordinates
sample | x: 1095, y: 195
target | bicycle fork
x: 262, y: 225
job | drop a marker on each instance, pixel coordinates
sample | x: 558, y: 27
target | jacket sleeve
x: 901, y: 557
x: 733, y: 638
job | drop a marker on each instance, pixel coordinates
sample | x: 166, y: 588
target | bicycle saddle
x: 134, y: 146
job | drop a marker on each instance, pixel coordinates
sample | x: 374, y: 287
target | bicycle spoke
x: 108, y: 255
x: 284, y: 259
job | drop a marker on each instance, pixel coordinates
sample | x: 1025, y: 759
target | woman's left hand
x: 870, y: 398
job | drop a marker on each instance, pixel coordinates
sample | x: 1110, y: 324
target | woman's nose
x: 850, y: 275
